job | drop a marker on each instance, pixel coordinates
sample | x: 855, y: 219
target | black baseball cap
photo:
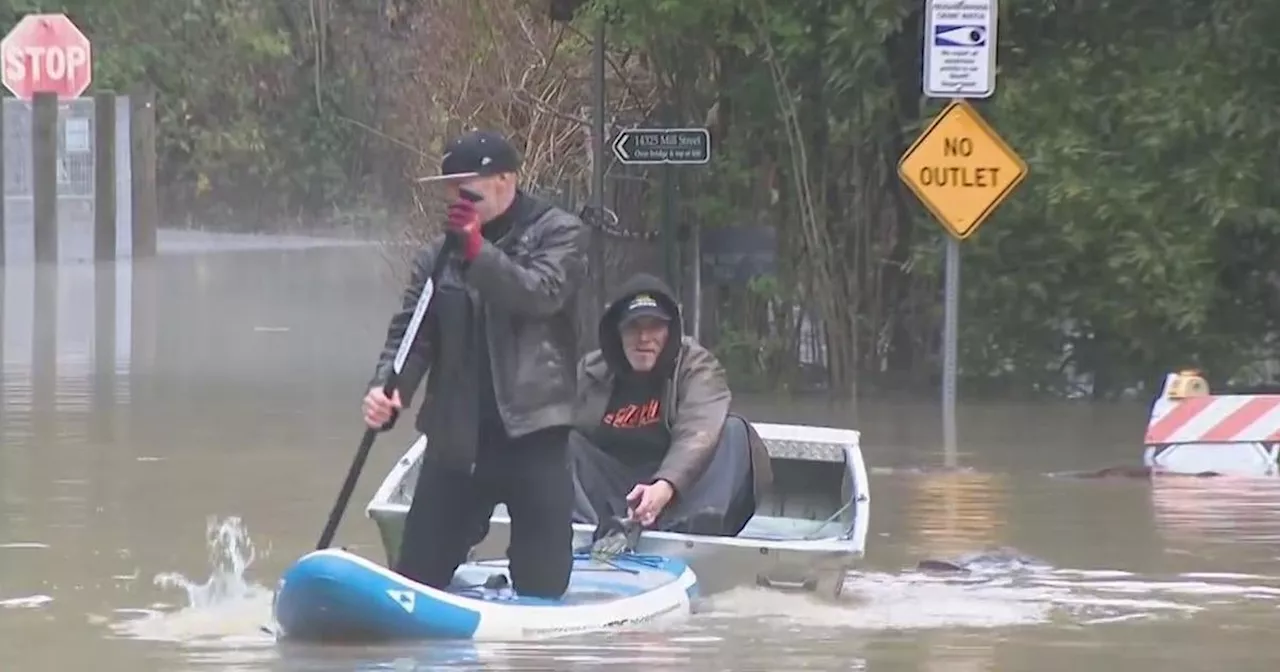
x: 641, y: 305
x: 474, y: 154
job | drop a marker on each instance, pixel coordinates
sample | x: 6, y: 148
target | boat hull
x: 808, y: 533
x: 721, y: 563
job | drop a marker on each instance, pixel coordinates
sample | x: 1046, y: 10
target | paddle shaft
x: 389, y: 387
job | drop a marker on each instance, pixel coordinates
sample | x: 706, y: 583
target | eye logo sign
x: 959, y: 59
x: 959, y: 36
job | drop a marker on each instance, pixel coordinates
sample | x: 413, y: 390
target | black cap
x: 474, y: 154
x: 640, y: 305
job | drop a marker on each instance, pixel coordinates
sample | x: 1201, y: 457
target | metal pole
x: 597, y: 163
x: 668, y: 228
x: 696, y: 243
x: 950, y: 324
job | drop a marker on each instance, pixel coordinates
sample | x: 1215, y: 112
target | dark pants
x: 451, y: 509
x: 720, y: 503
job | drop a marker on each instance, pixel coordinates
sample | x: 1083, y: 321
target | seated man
x: 653, y: 439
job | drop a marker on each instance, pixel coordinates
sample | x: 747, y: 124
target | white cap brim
x: 447, y: 178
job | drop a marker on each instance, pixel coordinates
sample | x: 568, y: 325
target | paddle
x: 402, y: 354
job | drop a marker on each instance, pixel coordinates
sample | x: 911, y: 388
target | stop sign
x: 46, y: 52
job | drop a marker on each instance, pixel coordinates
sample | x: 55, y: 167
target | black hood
x: 611, y: 339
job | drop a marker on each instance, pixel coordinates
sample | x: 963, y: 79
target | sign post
x: 669, y: 147
x: 959, y: 167
x: 46, y: 53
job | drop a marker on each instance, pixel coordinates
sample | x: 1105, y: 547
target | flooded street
x: 173, y: 435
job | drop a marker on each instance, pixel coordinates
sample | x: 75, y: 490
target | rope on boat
x: 830, y: 519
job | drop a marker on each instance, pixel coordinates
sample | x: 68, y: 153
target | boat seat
x: 789, y: 529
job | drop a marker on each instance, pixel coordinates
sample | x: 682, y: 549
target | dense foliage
x: 1144, y: 238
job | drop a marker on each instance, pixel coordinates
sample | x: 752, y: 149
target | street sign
x: 46, y: 52
x: 678, y: 146
x: 961, y: 169
x: 738, y: 254
x: 960, y: 48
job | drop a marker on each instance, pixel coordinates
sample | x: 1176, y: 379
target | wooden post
x: 44, y: 351
x: 104, y: 176
x: 4, y: 191
x: 44, y: 175
x: 142, y: 332
x: 104, y: 347
x: 3, y: 275
x: 142, y: 161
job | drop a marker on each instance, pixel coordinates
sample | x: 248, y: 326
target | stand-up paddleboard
x: 334, y: 595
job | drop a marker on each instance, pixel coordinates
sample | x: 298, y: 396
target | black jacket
x: 526, y: 284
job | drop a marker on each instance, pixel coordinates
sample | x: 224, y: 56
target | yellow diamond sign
x: 961, y: 169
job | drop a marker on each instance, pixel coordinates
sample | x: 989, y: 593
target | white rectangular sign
x: 960, y: 48
x: 76, y: 132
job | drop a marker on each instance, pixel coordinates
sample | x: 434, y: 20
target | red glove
x: 464, y: 226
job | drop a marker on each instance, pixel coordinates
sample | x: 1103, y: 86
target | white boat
x: 1191, y: 431
x: 807, y: 533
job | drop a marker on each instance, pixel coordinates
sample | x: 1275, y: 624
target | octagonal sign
x: 46, y: 52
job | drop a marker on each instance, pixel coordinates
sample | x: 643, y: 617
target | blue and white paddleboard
x: 333, y: 595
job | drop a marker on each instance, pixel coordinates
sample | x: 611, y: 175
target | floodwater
x: 173, y: 433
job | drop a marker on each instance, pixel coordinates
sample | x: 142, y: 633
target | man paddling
x: 500, y: 342
x: 654, y: 440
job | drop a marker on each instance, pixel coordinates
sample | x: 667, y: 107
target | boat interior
x: 819, y: 490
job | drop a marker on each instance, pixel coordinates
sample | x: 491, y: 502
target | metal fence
x: 75, y: 168
x: 624, y: 243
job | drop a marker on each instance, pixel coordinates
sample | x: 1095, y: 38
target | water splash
x: 29, y: 602
x: 231, y: 553
x: 225, y: 610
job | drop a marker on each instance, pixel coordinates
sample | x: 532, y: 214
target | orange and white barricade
x: 1192, y: 431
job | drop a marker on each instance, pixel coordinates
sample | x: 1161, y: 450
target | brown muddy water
x: 172, y: 435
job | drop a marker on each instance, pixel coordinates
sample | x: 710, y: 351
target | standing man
x: 500, y: 342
